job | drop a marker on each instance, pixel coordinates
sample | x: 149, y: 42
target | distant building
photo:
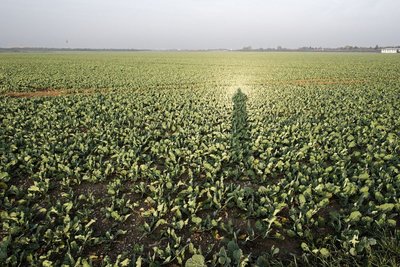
x: 390, y: 50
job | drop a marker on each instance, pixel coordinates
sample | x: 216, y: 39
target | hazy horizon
x: 198, y: 24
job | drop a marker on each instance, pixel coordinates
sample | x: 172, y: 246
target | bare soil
x: 51, y: 93
x: 319, y: 81
x: 45, y: 92
x: 35, y: 94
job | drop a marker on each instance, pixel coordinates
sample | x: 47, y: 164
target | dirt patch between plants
x: 318, y: 81
x: 52, y: 93
x: 49, y: 92
x: 35, y: 94
x: 325, y: 81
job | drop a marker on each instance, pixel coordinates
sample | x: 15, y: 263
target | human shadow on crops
x: 240, y: 141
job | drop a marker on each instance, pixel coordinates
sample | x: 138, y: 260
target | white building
x: 390, y: 50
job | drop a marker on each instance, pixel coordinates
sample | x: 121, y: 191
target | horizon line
x: 245, y: 48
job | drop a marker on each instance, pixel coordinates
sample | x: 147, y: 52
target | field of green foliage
x: 199, y: 159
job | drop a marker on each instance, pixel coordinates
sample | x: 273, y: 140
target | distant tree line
x: 347, y: 48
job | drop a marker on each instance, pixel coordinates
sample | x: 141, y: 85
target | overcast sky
x: 198, y: 24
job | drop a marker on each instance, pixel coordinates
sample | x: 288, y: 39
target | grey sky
x: 198, y: 24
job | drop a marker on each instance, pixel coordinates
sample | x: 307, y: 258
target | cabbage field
x: 199, y: 159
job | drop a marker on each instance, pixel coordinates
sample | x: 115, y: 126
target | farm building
x: 390, y: 50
